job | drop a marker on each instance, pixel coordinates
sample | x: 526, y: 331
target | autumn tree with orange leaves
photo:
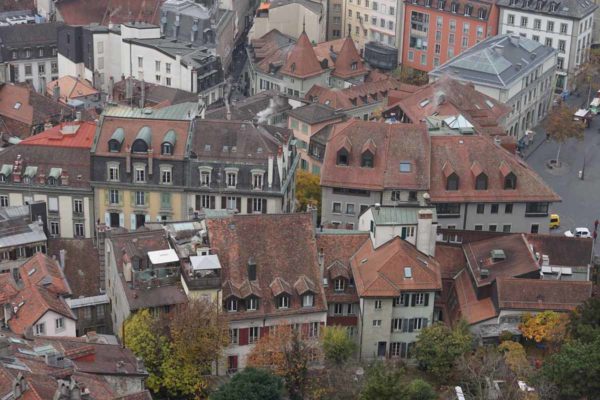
x: 548, y: 326
x: 287, y: 353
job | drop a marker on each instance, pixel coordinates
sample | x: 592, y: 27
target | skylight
x: 17, y: 105
x: 408, y: 272
x: 424, y: 103
x: 489, y: 104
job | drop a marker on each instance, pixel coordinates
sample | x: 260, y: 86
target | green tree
x: 584, y: 322
x: 144, y: 339
x: 251, y: 384
x: 419, y: 390
x: 560, y: 126
x: 575, y: 370
x: 382, y: 383
x: 338, y: 347
x: 438, y: 347
x: 308, y: 190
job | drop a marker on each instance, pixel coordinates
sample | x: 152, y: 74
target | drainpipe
x: 465, y: 218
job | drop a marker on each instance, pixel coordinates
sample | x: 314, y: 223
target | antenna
x: 304, y: 24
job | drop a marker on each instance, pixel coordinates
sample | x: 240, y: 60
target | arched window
x: 367, y: 159
x: 2, y: 178
x: 452, y: 182
x: 139, y: 146
x: 167, y: 149
x: 481, y: 182
x: 342, y: 157
x: 510, y: 181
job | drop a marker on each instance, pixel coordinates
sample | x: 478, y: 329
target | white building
x: 566, y: 26
x: 139, y: 51
x: 512, y: 69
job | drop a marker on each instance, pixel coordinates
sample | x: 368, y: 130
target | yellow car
x: 554, y: 221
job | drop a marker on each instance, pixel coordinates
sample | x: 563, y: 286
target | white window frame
x: 140, y: 195
x: 417, y: 324
x: 79, y: 229
x: 78, y: 206
x: 253, y: 334
x: 140, y: 173
x: 283, y: 301
x: 113, y: 172
x: 166, y: 175
x: 308, y: 300
x: 376, y: 323
x: 378, y: 305
x: 4, y: 202
x: 53, y: 225
x: 258, y: 180
x: 419, y: 299
x: 336, y: 307
x: 252, y: 304
x: 59, y: 324
x: 257, y: 205
x: 231, y: 177
x: 339, y: 284
x: 40, y: 329
x: 397, y: 324
x: 232, y: 305
x: 113, y: 194
x: 205, y: 176
x: 313, y: 329
x: 234, y: 336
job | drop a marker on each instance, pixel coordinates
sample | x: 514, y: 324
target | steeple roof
x: 302, y: 61
x: 348, y: 62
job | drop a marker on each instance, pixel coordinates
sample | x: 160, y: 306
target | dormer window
x: 2, y: 178
x: 166, y: 149
x: 168, y: 144
x: 452, y: 182
x: 468, y: 10
x: 26, y: 180
x: 205, y: 175
x: 342, y: 157
x: 354, y: 66
x: 481, y: 182
x: 510, y: 181
x: 367, y: 159
x: 283, y: 301
x: 232, y: 305
x: 231, y: 179
x: 139, y: 173
x: 52, y: 181
x: 339, y: 284
x: 252, y: 303
x: 454, y: 8
x: 308, y: 300
x: 142, y: 141
x: 481, y: 13
x: 441, y: 4
x: 257, y: 179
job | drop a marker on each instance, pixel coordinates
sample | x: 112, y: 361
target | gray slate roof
x: 576, y: 9
x: 313, y: 6
x: 314, y: 113
x: 192, y: 56
x: 497, y: 61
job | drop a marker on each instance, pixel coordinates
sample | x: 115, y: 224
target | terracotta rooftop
x: 283, y: 248
x: 517, y: 259
x: 41, y: 270
x: 70, y: 88
x: 458, y: 153
x: 382, y: 272
x: 468, y: 306
x: 104, y: 12
x: 301, y: 61
x: 155, y: 96
x: 394, y: 144
x: 354, y: 96
x: 536, y: 294
x: 563, y: 251
x: 451, y: 259
x: 348, y: 63
x: 67, y: 134
x: 8, y: 287
x: 82, y: 264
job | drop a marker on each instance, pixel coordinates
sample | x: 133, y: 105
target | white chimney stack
x: 425, y: 234
x: 270, y: 172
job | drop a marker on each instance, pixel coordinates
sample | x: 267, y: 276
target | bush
x: 251, y: 384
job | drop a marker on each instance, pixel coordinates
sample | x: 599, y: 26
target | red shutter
x: 243, y: 336
x: 264, y: 331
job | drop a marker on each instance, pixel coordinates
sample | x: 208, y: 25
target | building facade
x: 513, y: 70
x: 29, y: 54
x: 566, y: 27
x: 436, y: 31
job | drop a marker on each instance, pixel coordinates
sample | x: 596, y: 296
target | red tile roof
x: 284, y: 249
x: 562, y: 251
x: 451, y: 259
x: 103, y: 12
x: 468, y: 306
x: 348, y: 62
x: 8, y: 287
x: 519, y: 259
x: 82, y: 264
x: 459, y: 153
x: 355, y: 96
x: 67, y: 134
x: 41, y: 270
x: 381, y: 272
x: 302, y: 61
x: 71, y: 88
x: 395, y: 143
x: 536, y: 294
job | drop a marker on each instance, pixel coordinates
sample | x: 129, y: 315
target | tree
x: 251, y: 384
x: 438, y: 347
x: 308, y: 190
x: 419, y: 390
x: 584, y: 322
x: 338, y: 347
x: 548, y: 326
x: 382, y: 382
x: 410, y: 76
x: 143, y: 337
x: 515, y: 358
x: 575, y: 370
x: 178, y: 348
x: 287, y: 355
x: 560, y: 126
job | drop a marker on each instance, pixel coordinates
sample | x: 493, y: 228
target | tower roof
x: 348, y: 62
x: 302, y: 61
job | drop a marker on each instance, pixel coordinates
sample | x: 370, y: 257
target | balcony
x: 202, y: 272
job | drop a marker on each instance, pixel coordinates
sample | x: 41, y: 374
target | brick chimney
x: 17, y: 169
x: 64, y: 178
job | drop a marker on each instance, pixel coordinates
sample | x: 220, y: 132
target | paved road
x: 580, y: 204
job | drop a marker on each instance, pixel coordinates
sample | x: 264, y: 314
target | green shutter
x: 165, y: 200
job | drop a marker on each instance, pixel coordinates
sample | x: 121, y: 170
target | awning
x: 55, y: 173
x: 6, y: 169
x: 30, y: 171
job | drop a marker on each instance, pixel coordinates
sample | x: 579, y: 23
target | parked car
x: 579, y: 232
x: 554, y: 221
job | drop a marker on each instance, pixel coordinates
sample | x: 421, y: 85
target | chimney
x: 128, y: 160
x: 78, y: 116
x: 497, y: 140
x: 194, y: 31
x: 425, y: 234
x: 61, y: 254
x: 17, y: 169
x: 64, y: 178
x: 56, y: 92
x: 270, y: 172
x: 150, y: 159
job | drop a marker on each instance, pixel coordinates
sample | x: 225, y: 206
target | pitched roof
x: 468, y: 306
x: 381, y: 272
x: 8, y: 287
x: 156, y: 96
x: 354, y: 96
x: 451, y: 259
x: 395, y: 143
x: 284, y: 249
x: 302, y: 61
x: 348, y: 62
x: 67, y: 134
x: 104, y: 12
x: 518, y: 261
x: 576, y: 9
x: 536, y: 294
x: 41, y: 270
x: 561, y: 250
x: 258, y: 107
x: 497, y: 61
x: 21, y: 35
x: 17, y: 5
x: 70, y: 88
x: 82, y: 264
x: 314, y: 113
x: 460, y: 152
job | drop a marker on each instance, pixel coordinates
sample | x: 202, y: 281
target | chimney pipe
x: 62, y: 255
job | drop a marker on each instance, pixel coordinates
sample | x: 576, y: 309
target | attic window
x: 481, y: 13
x: 354, y: 66
x: 408, y: 272
x: 468, y: 10
x: 441, y: 4
x: 424, y: 103
x: 342, y: 157
x: 497, y: 255
x: 207, y: 147
x: 454, y: 8
x: 367, y: 159
x: 452, y: 182
x: 510, y: 181
x: 489, y: 104
x: 405, y: 166
x: 293, y: 67
x: 17, y: 105
x: 481, y: 182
